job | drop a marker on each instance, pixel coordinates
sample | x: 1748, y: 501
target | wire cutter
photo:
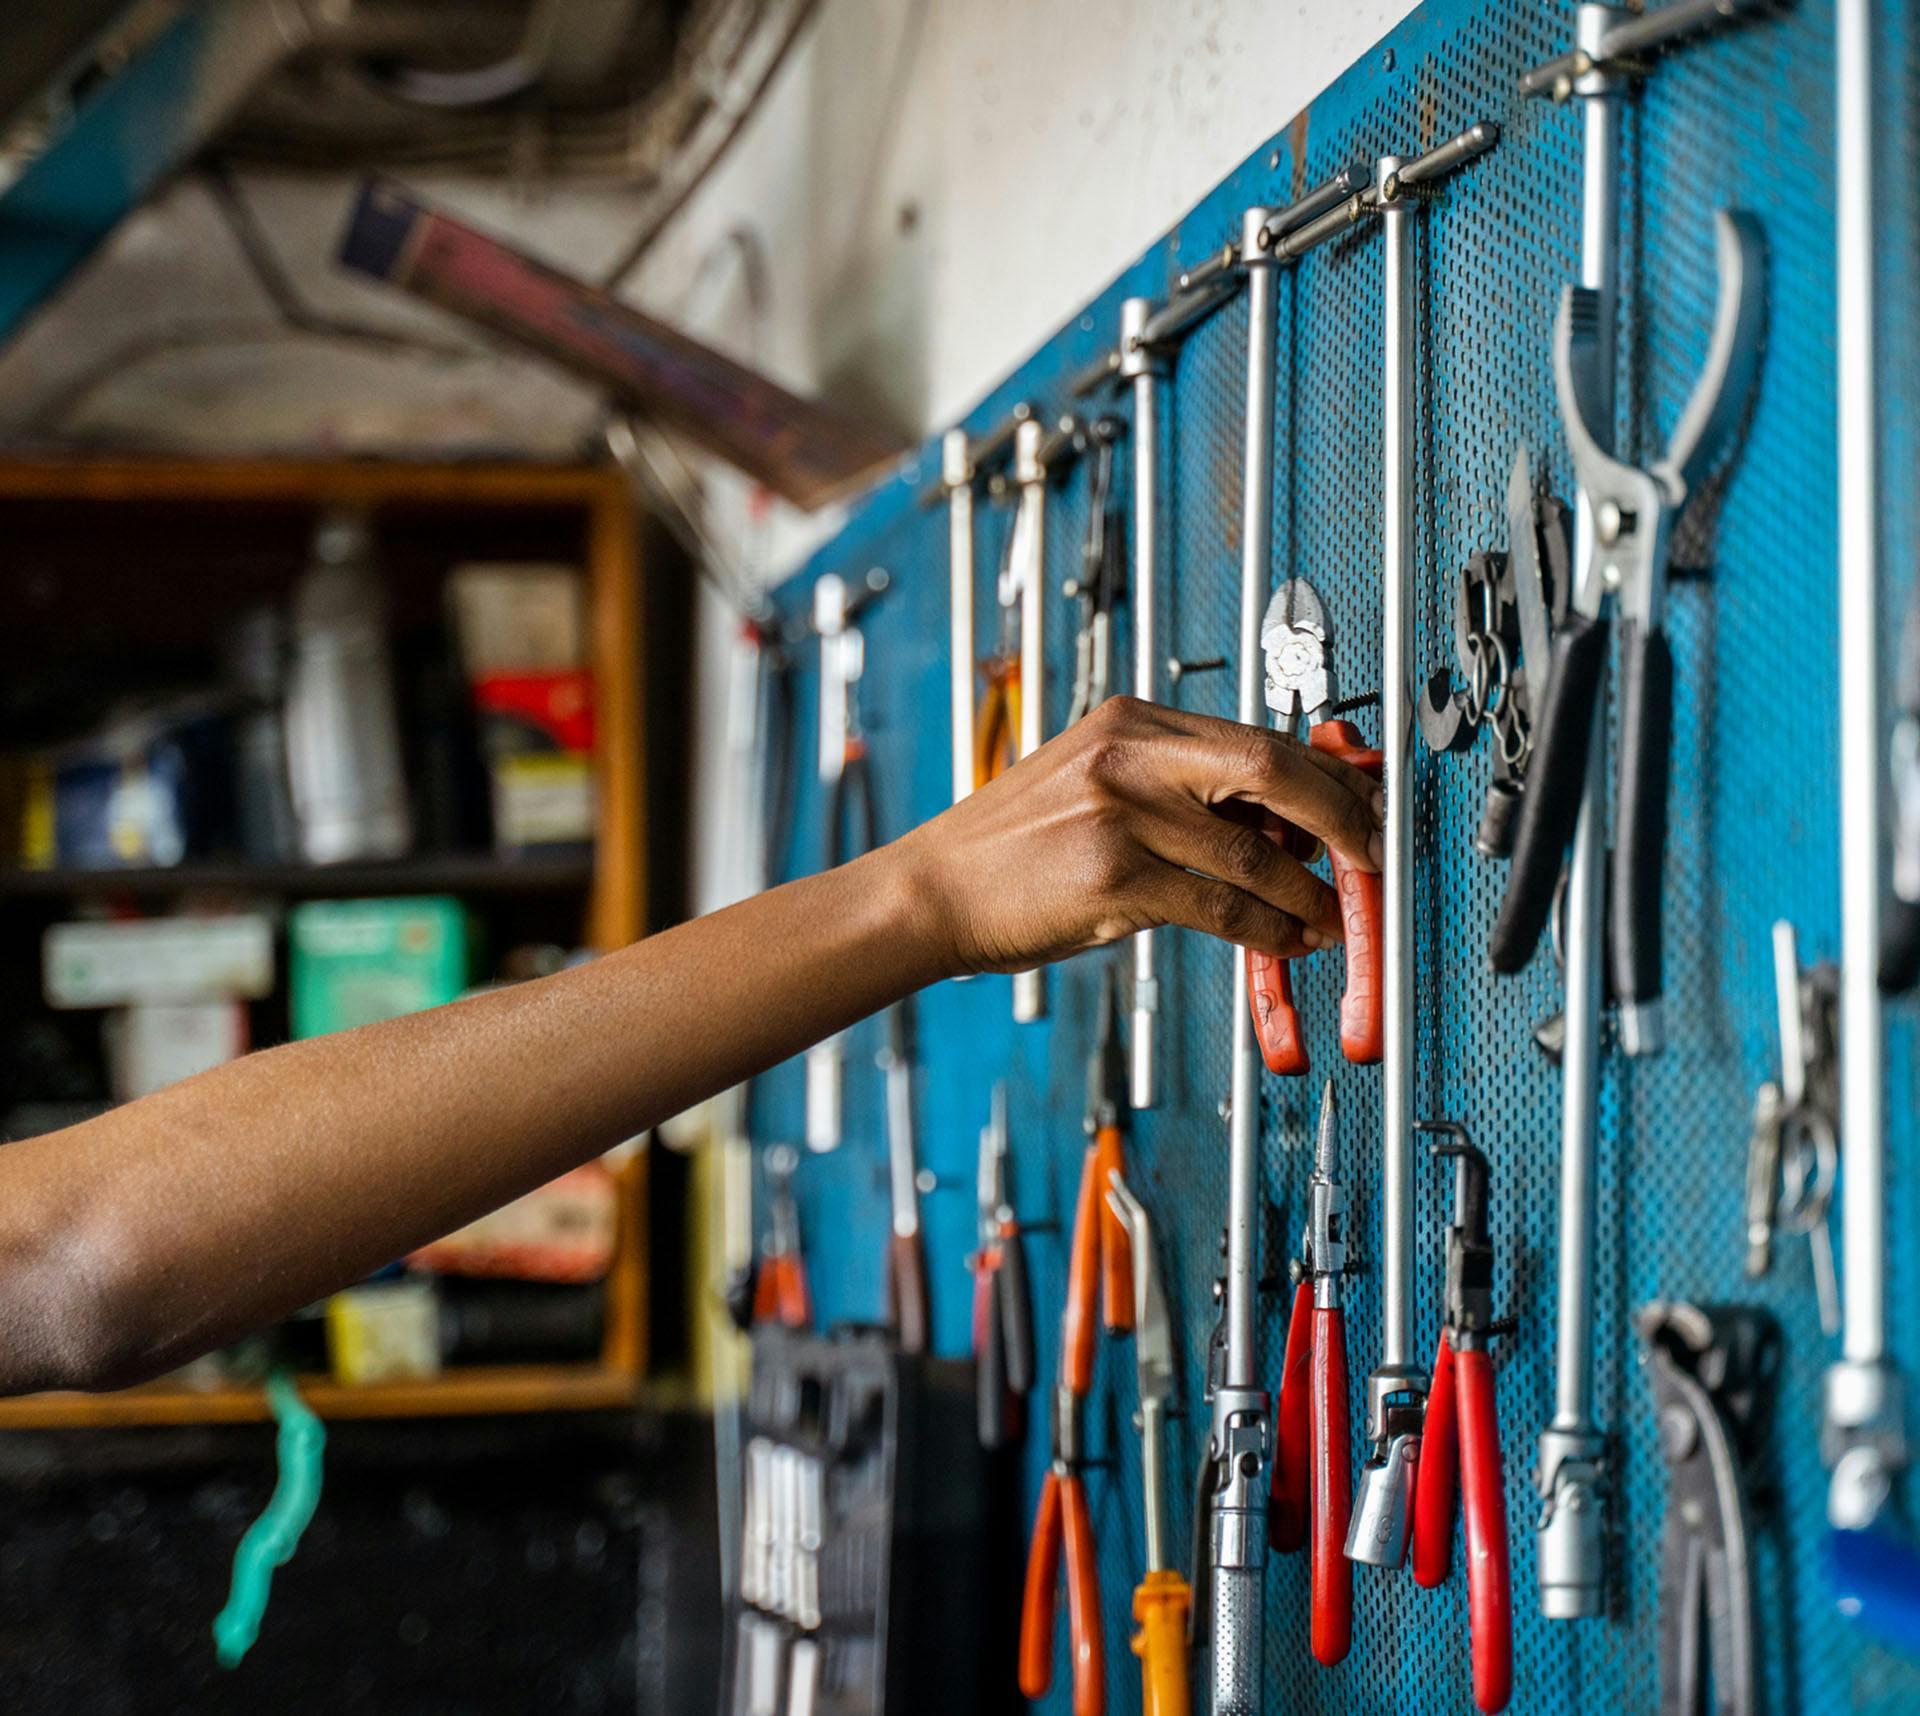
x: 1311, y: 1494
x: 1300, y: 684
x: 1460, y: 1442
x: 1634, y: 512
x: 996, y: 730
x: 1715, y: 1371
x: 1002, y: 1298
x: 1163, y: 1600
x: 1099, y: 1267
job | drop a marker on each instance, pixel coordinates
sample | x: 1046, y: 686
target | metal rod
x: 1862, y: 1079
x: 1396, y: 740
x: 1209, y: 269
x: 1176, y: 319
x: 1136, y: 363
x: 1472, y: 143
x: 1571, y: 1448
x: 1030, y: 522
x: 1153, y: 1480
x: 956, y: 474
x: 1256, y: 549
x: 1630, y: 35
x: 1332, y: 190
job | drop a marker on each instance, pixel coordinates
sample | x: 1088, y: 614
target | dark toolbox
x: 864, y: 1535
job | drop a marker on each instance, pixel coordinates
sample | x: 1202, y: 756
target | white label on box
x: 161, y: 1042
x: 123, y: 962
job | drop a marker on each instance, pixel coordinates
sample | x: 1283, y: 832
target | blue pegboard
x: 1743, y: 119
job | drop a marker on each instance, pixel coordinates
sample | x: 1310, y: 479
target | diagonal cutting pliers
x: 1300, y: 685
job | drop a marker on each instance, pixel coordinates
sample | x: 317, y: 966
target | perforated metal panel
x: 1744, y: 120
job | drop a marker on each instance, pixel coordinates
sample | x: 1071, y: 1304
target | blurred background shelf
x: 484, y: 1390
x: 479, y: 873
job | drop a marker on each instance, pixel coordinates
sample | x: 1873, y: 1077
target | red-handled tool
x: 1461, y: 1446
x: 780, y: 1284
x: 1002, y: 1299
x: 1312, y: 1488
x: 1300, y: 685
x: 1063, y: 1521
x: 1106, y: 1104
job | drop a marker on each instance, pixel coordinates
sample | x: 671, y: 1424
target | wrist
x: 916, y: 908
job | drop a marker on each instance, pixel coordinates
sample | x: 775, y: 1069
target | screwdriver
x: 1002, y: 1300
x: 1162, y: 1601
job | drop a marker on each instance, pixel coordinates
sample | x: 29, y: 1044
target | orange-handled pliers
x: 1312, y: 1490
x: 1063, y: 1518
x: 1300, y: 684
x: 780, y: 1284
x: 1460, y: 1442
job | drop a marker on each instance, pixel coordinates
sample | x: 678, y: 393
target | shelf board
x: 477, y: 873
x: 478, y: 1391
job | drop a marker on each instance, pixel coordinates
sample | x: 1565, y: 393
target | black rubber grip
x: 990, y: 1378
x: 1899, y: 946
x: 1640, y: 816
x: 1016, y: 1312
x: 1555, y: 777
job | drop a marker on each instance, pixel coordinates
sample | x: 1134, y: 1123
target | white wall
x: 939, y: 184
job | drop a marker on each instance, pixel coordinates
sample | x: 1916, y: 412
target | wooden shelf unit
x: 614, y: 883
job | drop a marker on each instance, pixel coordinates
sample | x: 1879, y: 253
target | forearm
x: 174, y: 1224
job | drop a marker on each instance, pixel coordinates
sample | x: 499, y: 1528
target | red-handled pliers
x: 1460, y: 1445
x: 1300, y: 684
x: 1312, y: 1490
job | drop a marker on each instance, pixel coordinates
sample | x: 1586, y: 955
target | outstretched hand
x: 1139, y: 816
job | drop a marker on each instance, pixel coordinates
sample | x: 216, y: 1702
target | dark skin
x: 172, y: 1225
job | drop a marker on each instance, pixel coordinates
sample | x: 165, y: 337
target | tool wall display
x: 1499, y: 393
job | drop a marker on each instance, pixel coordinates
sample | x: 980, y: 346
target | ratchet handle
x: 1162, y: 1603
x: 1083, y: 1283
x: 1290, y: 1498
x: 1116, y: 1244
x: 1239, y: 1640
x: 1556, y: 777
x: 1646, y: 746
x: 1043, y: 1581
x: 907, y: 1291
x: 1362, y: 897
x: 1332, y: 1575
x: 1489, y: 1572
x: 1439, y: 1471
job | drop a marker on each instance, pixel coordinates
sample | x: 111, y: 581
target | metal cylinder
x: 1396, y: 742
x: 1030, y: 524
x: 1862, y: 1077
x: 1137, y: 364
x: 956, y: 473
x: 1238, y: 1639
x: 1256, y: 551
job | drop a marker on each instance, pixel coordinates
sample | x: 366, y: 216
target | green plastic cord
x: 273, y: 1537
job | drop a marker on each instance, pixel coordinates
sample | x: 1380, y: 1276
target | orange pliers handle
x: 1063, y: 1516
x: 1063, y: 1519
x: 1276, y: 1020
x: 1460, y: 1448
x: 1290, y: 1494
x: 780, y: 1291
x: 996, y: 732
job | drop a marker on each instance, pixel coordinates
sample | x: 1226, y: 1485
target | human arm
x: 171, y: 1225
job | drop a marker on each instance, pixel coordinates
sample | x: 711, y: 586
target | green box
x: 355, y: 962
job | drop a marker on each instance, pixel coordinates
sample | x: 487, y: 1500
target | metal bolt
x: 1178, y: 669
x: 1609, y: 520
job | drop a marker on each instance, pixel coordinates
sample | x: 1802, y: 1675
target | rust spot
x: 1297, y: 143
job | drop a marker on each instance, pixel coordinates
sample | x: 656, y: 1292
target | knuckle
x: 1230, y: 912
x: 1246, y: 855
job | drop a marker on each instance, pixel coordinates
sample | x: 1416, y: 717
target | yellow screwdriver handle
x: 1160, y: 1605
